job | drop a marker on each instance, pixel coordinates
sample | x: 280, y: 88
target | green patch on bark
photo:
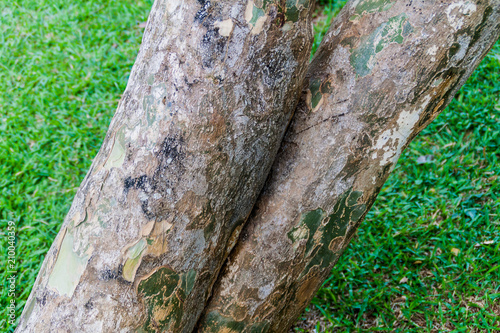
x: 436, y: 82
x: 316, y: 95
x: 215, y: 322
x: 68, y: 268
x: 151, y: 79
x: 154, y: 102
x: 371, y: 6
x: 293, y: 9
x: 363, y: 58
x: 164, y: 293
x: 134, y: 257
x: 117, y: 155
x: 322, y: 232
x: 102, y: 212
x: 318, y: 88
x: 292, y: 14
x: 187, y: 281
x: 256, y: 14
x: 310, y: 223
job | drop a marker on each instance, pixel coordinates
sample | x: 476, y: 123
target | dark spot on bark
x: 273, y: 67
x: 170, y: 168
x: 203, y: 12
x: 218, y: 80
x: 42, y: 300
x: 89, y: 305
x: 170, y: 148
x: 145, y: 210
x: 364, y: 142
x: 128, y: 183
x: 119, y: 276
x: 279, y: 20
x: 340, y: 74
x: 350, y: 41
x: 108, y: 274
x: 212, y: 45
x: 142, y: 182
x: 190, y: 84
x: 455, y: 47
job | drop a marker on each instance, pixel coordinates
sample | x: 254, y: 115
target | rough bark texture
x: 383, y: 72
x: 188, y: 150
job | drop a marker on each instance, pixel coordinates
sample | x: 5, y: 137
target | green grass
x: 63, y: 66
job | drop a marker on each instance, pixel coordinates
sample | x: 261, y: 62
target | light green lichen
x: 256, y: 14
x: 134, y: 257
x: 155, y: 103
x: 187, y: 281
x: 151, y: 79
x: 363, y: 58
x: 436, y: 82
x: 68, y: 268
x: 104, y: 207
x: 117, y: 155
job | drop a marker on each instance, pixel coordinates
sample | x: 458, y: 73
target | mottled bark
x: 383, y: 72
x: 192, y: 141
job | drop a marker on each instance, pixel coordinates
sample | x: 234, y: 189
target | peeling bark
x: 383, y: 72
x: 192, y: 141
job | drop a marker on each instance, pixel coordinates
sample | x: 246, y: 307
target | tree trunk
x: 383, y: 72
x: 187, y: 152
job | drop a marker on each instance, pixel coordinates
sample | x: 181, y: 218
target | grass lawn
x: 426, y: 258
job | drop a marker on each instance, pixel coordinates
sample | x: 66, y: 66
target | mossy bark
x: 383, y: 72
x: 212, y: 90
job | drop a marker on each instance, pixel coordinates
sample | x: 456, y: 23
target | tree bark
x: 383, y: 72
x: 187, y: 152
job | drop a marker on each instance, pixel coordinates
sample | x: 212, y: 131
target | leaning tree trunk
x: 383, y: 72
x: 210, y: 95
